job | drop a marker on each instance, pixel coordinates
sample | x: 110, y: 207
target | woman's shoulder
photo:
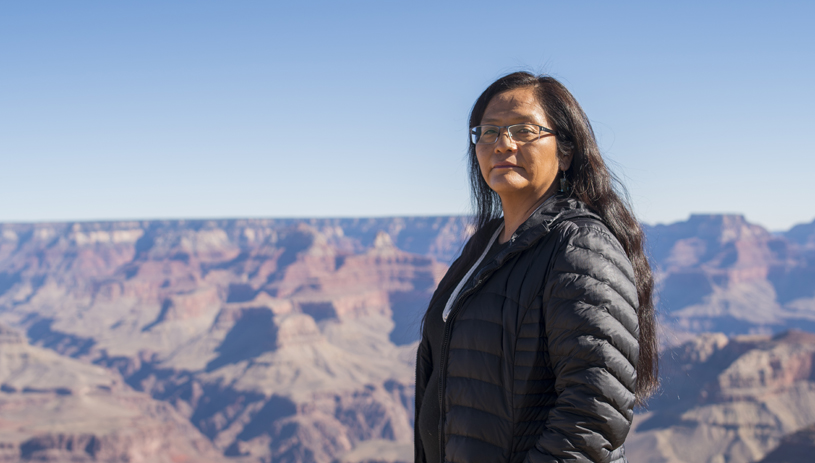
x: 587, y: 246
x: 588, y: 226
x: 588, y: 230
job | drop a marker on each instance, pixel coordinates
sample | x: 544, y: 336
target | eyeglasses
x: 520, y: 133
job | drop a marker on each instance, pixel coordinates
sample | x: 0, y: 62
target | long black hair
x: 591, y: 182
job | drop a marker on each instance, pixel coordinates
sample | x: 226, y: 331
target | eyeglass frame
x: 502, y: 127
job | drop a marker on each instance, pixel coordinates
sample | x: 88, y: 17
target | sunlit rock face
x: 272, y: 340
x: 55, y: 409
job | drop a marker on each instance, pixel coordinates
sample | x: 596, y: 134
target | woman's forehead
x: 520, y: 104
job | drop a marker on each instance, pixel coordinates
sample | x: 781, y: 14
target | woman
x: 540, y: 339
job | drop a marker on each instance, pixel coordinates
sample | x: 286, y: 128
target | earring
x: 564, y: 184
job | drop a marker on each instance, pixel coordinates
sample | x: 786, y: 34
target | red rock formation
x: 273, y: 341
x: 719, y: 272
x: 803, y: 235
x: 728, y: 399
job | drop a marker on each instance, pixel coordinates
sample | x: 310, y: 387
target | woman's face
x: 518, y: 172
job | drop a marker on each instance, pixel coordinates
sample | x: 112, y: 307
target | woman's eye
x: 489, y: 132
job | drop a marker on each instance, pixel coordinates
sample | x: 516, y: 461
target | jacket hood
x: 551, y: 212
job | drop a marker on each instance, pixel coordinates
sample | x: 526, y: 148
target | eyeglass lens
x: 521, y: 133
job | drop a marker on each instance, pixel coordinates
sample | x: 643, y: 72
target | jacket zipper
x: 445, y: 345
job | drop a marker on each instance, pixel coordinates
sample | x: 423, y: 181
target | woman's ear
x: 564, y: 161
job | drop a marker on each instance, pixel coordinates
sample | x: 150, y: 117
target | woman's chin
x: 519, y: 192
x: 511, y: 185
x: 507, y: 182
x: 505, y: 189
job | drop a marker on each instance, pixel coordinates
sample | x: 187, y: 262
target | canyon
x: 735, y: 399
x: 722, y: 273
x: 292, y: 340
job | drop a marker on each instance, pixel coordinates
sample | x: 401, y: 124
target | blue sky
x: 122, y: 110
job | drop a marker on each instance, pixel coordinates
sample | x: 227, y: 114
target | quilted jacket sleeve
x: 424, y: 366
x: 590, y: 303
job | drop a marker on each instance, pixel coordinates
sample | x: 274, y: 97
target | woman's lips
x: 504, y: 165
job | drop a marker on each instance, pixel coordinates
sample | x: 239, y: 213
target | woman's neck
x: 516, y: 213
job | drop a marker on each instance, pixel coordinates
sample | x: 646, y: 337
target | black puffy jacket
x: 538, y: 360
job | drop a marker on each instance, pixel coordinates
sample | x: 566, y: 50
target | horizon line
x: 340, y: 217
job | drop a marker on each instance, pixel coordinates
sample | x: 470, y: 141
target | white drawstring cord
x: 449, y: 306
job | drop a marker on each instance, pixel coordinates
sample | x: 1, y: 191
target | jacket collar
x: 551, y: 212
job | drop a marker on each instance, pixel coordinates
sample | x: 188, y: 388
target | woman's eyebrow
x: 514, y: 117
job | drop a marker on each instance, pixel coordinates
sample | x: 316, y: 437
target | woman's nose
x: 505, y: 142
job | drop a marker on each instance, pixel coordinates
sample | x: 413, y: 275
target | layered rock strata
x: 57, y: 409
x: 722, y: 273
x: 290, y: 344
x: 728, y: 400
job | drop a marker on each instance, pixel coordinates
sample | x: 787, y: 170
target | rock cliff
x: 721, y: 273
x: 793, y: 448
x: 57, y: 409
x: 728, y: 400
x: 277, y: 341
